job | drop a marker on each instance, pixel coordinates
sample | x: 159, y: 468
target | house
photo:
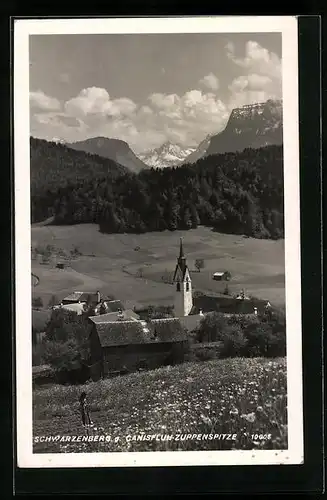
x: 80, y: 297
x: 129, y: 345
x: 221, y: 276
x: 112, y: 317
x: 77, y: 308
x: 227, y: 305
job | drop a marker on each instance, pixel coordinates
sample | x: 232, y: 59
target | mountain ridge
x: 114, y: 149
x: 249, y: 126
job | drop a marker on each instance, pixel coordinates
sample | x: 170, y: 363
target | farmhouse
x: 78, y: 301
x: 221, y: 276
x: 129, y: 344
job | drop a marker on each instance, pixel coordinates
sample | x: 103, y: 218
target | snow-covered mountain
x: 167, y: 155
x: 57, y: 140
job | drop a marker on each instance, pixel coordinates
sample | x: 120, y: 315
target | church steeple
x: 181, y: 250
x: 182, y: 279
x: 181, y: 261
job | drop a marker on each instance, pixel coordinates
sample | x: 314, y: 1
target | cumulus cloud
x: 257, y: 59
x: 210, y: 81
x: 260, y: 78
x: 184, y: 119
x: 97, y: 101
x: 39, y: 100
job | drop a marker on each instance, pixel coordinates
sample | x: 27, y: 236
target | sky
x: 148, y: 89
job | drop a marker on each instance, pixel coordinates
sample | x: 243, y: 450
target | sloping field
x: 242, y: 397
x: 135, y: 267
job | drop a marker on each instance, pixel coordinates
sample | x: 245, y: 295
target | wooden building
x: 130, y: 345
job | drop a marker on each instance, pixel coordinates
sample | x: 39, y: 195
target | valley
x: 134, y: 268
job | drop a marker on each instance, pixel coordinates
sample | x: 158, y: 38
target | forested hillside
x: 239, y: 193
x: 55, y: 166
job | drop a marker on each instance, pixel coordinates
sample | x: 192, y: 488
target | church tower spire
x: 181, y: 250
x: 183, y: 283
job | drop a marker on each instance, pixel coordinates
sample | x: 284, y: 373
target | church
x: 183, y: 302
x: 190, y: 309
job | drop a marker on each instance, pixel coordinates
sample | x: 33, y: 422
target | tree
x: 53, y: 301
x: 140, y: 272
x: 37, y: 302
x: 199, y: 264
x: 211, y: 327
x: 62, y: 355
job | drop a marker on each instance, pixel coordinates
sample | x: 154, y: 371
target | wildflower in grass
x: 250, y: 417
x: 206, y: 420
x: 233, y: 412
x: 259, y: 409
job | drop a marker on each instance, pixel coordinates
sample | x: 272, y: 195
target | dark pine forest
x: 239, y: 193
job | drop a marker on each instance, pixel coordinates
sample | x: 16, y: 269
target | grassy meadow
x: 245, y: 397
x: 134, y: 267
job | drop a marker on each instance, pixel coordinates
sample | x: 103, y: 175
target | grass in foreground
x: 246, y: 397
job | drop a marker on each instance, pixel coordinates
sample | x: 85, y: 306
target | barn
x: 129, y: 345
x: 222, y: 276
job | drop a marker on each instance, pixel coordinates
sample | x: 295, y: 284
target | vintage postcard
x: 157, y: 242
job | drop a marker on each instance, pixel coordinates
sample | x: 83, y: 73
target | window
x: 187, y: 286
x: 178, y: 288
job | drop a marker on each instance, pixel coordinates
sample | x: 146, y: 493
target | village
x: 126, y: 339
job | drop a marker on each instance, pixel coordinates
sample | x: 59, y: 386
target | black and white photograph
x: 158, y: 290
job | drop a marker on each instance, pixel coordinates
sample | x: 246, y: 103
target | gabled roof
x: 114, y: 305
x: 115, y: 316
x: 82, y: 297
x: 76, y: 308
x: 122, y: 333
x: 131, y: 332
x: 224, y: 304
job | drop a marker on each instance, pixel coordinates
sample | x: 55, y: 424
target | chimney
x: 255, y: 311
x: 98, y: 297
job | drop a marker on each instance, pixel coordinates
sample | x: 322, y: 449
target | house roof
x: 139, y: 332
x: 82, y: 296
x: 122, y: 333
x: 77, y: 308
x: 219, y: 273
x: 115, y: 316
x: 114, y: 305
x: 226, y: 305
